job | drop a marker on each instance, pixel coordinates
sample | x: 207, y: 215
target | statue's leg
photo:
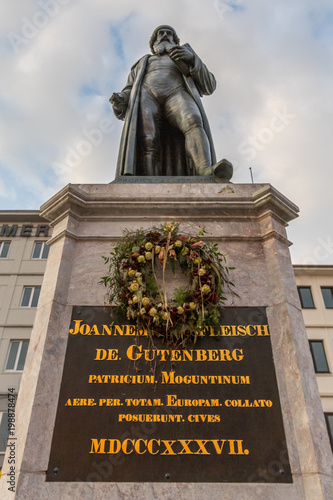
x: 182, y: 112
x: 149, y: 134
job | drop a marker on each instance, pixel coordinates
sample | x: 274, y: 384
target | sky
x: 272, y: 111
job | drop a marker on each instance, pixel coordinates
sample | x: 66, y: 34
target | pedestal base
x: 248, y: 222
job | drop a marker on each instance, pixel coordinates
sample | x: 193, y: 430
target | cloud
x: 272, y: 110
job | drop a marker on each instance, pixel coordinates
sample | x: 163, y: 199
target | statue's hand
x: 182, y: 53
x: 117, y: 100
x: 119, y: 105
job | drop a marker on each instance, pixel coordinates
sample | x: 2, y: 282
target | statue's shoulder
x: 188, y: 46
x: 141, y: 62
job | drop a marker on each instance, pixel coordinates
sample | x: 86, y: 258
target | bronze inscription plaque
x: 132, y: 410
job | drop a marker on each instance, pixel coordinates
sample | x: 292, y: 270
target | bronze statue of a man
x: 166, y: 131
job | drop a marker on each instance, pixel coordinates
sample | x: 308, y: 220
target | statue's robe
x: 173, y: 161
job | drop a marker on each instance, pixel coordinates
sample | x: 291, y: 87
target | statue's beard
x: 162, y: 47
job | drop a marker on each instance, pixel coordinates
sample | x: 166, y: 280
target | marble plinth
x: 249, y: 222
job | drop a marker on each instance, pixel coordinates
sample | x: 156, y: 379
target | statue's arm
x: 203, y: 78
x: 191, y: 65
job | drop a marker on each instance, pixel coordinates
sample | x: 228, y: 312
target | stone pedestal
x: 248, y: 222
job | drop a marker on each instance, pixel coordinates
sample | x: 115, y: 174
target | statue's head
x: 164, y: 36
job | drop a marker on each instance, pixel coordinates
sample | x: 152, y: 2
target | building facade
x: 315, y: 288
x: 23, y: 254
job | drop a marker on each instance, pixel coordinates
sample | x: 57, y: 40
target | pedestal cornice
x: 169, y: 200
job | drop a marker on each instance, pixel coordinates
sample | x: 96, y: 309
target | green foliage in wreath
x: 132, y: 284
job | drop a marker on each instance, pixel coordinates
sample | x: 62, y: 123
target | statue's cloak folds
x: 173, y: 161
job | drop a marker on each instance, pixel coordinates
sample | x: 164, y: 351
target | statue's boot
x: 223, y: 170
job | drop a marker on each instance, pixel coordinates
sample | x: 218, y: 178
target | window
x: 3, y: 436
x: 327, y: 296
x: 305, y: 296
x: 319, y: 356
x: 16, y: 355
x: 41, y: 250
x: 4, y: 247
x: 30, y: 296
x: 329, y: 423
